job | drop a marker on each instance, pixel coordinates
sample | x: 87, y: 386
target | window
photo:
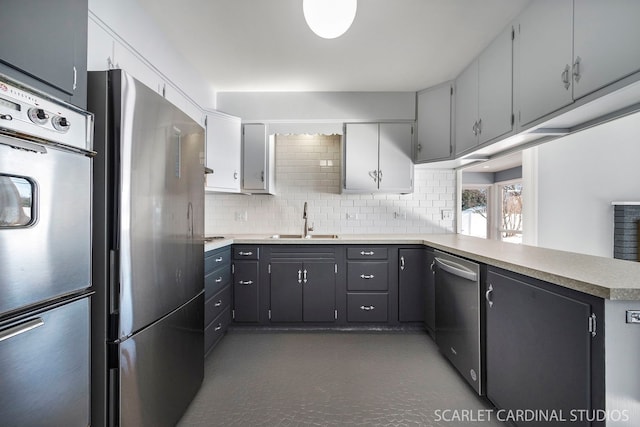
x: 16, y: 201
x: 492, y: 211
x: 510, y: 228
x: 475, y: 215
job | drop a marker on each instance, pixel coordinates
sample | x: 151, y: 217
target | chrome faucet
x: 307, y: 229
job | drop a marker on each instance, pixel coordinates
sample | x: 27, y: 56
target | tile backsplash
x: 308, y: 170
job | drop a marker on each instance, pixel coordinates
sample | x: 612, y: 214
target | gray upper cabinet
x: 484, y: 106
x: 44, y: 44
x: 567, y: 49
x: 258, y: 158
x: 434, y: 124
x: 543, y: 58
x: 605, y: 39
x: 378, y: 157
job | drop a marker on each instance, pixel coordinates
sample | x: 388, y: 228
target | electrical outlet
x: 399, y: 215
x: 241, y: 216
x: 447, y: 214
x: 352, y: 215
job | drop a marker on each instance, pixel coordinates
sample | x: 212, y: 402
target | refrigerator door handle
x: 21, y: 328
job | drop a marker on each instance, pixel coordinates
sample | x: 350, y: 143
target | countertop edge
x: 579, y: 272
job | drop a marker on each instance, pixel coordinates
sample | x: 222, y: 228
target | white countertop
x: 599, y: 276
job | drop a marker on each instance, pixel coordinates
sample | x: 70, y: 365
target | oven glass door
x: 45, y: 224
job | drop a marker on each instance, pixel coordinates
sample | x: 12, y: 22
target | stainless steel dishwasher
x: 458, y: 315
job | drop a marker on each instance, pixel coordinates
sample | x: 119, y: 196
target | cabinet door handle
x: 433, y: 266
x: 487, y: 295
x: 218, y: 303
x: 304, y: 276
x: 299, y: 276
x: 245, y: 282
x: 219, y: 279
x: 262, y: 176
x: 374, y: 175
x: 474, y: 128
x: 368, y: 253
x: 245, y: 253
x: 367, y: 307
x: 367, y: 276
x: 480, y: 127
x: 380, y: 175
x: 219, y: 259
x: 565, y: 77
x: 576, y: 69
x: 235, y: 175
x: 75, y: 78
x: 401, y: 263
x: 218, y: 327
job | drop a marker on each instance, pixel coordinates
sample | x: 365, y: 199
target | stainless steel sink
x: 299, y: 236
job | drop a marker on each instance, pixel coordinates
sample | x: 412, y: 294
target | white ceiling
x: 393, y: 45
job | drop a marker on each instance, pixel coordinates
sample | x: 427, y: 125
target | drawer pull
x: 367, y: 253
x: 367, y: 276
x: 218, y: 303
x: 219, y: 279
x: 20, y: 329
x: 246, y: 282
x: 217, y: 328
x: 219, y: 259
x: 241, y: 253
x: 367, y: 307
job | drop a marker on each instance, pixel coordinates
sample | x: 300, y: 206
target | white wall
x: 318, y: 106
x: 308, y: 169
x: 578, y: 178
x: 131, y: 25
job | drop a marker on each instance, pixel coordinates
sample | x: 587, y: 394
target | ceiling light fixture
x: 329, y: 18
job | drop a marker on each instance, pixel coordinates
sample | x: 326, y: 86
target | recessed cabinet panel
x: 254, y: 157
x: 433, y: 141
x: 395, y: 171
x: 543, y: 67
x: 224, y: 142
x: 495, y: 88
x: 361, y: 156
x: 606, y: 36
x: 466, y: 108
x: 538, y: 348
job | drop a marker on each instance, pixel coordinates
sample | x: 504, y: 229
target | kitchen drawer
x: 216, y: 304
x: 245, y: 252
x: 367, y: 307
x: 216, y: 259
x: 215, y: 330
x: 367, y: 253
x: 216, y: 280
x: 367, y: 276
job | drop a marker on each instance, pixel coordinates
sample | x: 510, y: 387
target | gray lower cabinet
x: 542, y: 351
x: 430, y: 292
x: 369, y: 284
x: 411, y: 289
x: 246, y: 266
x: 44, y: 44
x: 217, y: 290
x: 303, y: 291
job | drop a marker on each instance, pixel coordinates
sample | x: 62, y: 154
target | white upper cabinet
x: 258, y: 159
x: 483, y: 94
x: 378, y: 157
x: 543, y: 58
x: 606, y: 35
x: 433, y: 140
x: 224, y: 136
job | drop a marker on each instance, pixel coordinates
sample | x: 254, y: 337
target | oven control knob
x: 60, y: 123
x: 38, y: 116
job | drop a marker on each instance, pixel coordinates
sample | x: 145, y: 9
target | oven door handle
x: 12, y: 331
x: 456, y: 269
x: 23, y: 145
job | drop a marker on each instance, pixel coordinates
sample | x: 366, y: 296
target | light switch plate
x: 633, y: 316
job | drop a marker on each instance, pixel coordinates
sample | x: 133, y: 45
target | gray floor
x: 331, y: 379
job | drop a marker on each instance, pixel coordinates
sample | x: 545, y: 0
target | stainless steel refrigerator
x: 148, y: 270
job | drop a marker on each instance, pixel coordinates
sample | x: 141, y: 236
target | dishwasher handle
x: 456, y: 269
